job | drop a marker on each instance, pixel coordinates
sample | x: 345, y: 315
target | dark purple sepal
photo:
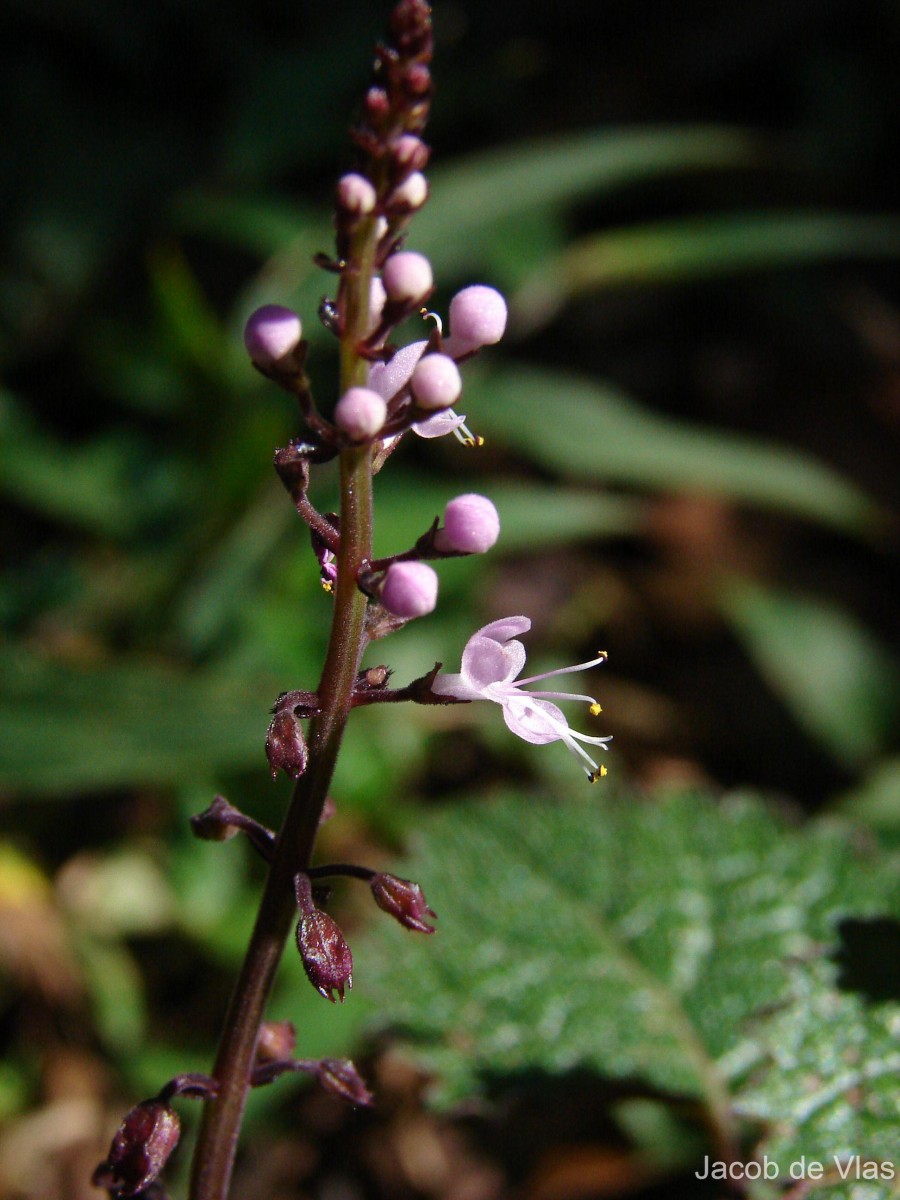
x: 340, y: 1077
x: 325, y: 954
x: 286, y: 746
x: 222, y: 821
x: 404, y: 901
x: 140, y: 1149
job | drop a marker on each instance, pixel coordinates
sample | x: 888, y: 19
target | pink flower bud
x: 360, y: 413
x: 356, y: 195
x: 410, y: 152
x: 471, y: 525
x: 436, y: 382
x: 407, y: 276
x: 411, y: 193
x: 477, y: 318
x: 140, y: 1149
x: 404, y: 900
x: 409, y: 589
x: 377, y: 298
x: 271, y: 334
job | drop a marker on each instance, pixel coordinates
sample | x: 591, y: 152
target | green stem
x: 217, y: 1142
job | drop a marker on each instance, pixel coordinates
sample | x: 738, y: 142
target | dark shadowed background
x: 691, y: 433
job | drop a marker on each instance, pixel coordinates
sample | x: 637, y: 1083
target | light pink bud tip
x: 271, y: 333
x: 360, y: 413
x: 477, y: 317
x: 407, y: 276
x: 410, y: 589
x: 435, y: 382
x: 471, y: 525
x: 410, y: 152
x: 412, y: 193
x: 356, y: 194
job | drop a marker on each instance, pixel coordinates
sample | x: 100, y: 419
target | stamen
x: 425, y: 314
x: 595, y: 709
x: 594, y: 662
x: 465, y: 435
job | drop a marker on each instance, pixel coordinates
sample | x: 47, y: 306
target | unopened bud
x: 411, y: 193
x: 477, y: 318
x: 377, y: 298
x: 435, y: 382
x: 285, y: 745
x: 356, y: 195
x: 377, y: 103
x: 410, y: 152
x: 409, y: 589
x: 407, y: 276
x: 277, y: 1041
x: 140, y: 1149
x: 360, y: 413
x: 271, y: 334
x: 403, y: 900
x: 471, y: 525
x: 339, y: 1076
x: 417, y: 80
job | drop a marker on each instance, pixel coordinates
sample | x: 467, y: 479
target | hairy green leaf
x: 685, y: 946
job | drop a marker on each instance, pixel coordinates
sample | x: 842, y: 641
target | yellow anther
x: 600, y: 774
x: 595, y: 709
x: 602, y: 654
x: 327, y: 586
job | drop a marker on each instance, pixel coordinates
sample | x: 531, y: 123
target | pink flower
x: 490, y: 663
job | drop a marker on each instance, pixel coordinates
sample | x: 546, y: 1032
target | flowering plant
x: 383, y: 393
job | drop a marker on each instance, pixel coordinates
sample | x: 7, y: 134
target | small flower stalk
x: 401, y: 372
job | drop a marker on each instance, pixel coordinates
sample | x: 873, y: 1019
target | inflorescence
x: 396, y: 390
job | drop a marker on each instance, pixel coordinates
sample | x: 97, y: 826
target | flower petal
x: 505, y: 628
x: 439, y: 424
x: 388, y: 378
x: 535, y: 721
x: 456, y: 686
x: 486, y: 663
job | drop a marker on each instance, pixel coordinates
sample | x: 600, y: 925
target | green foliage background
x: 691, y: 436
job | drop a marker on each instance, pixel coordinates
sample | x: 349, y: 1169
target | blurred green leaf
x: 840, y: 684
x: 116, y: 992
x: 584, y: 429
x: 89, y: 486
x: 68, y: 730
x: 530, y: 514
x: 189, y: 321
x: 470, y: 198
x: 666, y: 944
x: 703, y: 247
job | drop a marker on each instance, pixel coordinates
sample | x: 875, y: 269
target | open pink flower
x: 490, y: 663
